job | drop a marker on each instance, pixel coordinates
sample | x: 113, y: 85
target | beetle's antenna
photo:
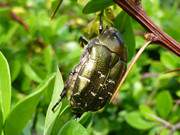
x: 101, y: 21
x: 83, y: 41
x: 56, y: 9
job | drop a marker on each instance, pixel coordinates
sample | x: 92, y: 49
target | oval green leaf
x: 63, y: 117
x: 96, y: 5
x: 1, y: 120
x: 5, y: 86
x: 170, y: 60
x: 72, y: 127
x: 51, y: 116
x: 86, y: 119
x: 135, y: 120
x: 164, y: 103
x: 23, y: 111
x: 31, y: 74
x: 147, y: 112
x: 15, y: 69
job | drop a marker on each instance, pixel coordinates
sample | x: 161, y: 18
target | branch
x: 19, y: 20
x: 166, y: 124
x: 14, y: 16
x: 134, y: 9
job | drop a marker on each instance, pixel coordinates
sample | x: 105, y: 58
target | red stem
x: 137, y: 12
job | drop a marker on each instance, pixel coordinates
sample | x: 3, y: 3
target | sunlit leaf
x: 86, y: 119
x: 15, y: 69
x: 63, y: 117
x: 135, y: 120
x: 170, y: 60
x: 82, y: 2
x: 1, y: 120
x: 51, y: 116
x: 164, y: 132
x: 96, y: 5
x: 147, y: 112
x: 23, y: 111
x: 48, y: 57
x: 164, y: 103
x: 178, y: 93
x: 73, y: 128
x: 5, y: 86
x: 31, y: 73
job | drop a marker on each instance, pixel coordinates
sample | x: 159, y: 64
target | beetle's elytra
x: 94, y: 80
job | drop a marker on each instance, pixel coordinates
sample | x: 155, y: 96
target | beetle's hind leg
x: 83, y: 41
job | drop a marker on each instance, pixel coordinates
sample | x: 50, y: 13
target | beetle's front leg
x: 62, y: 95
x: 101, y: 22
x: 68, y: 83
x: 83, y: 41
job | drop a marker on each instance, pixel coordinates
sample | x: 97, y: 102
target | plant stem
x: 136, y: 11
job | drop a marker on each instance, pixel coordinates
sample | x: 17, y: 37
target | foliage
x: 32, y: 46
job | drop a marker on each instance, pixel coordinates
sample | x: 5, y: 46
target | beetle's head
x: 112, y: 34
x: 112, y: 39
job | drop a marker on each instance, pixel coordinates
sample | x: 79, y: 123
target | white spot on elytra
x: 109, y: 93
x: 93, y: 94
x: 76, y: 94
x: 79, y: 103
x: 111, y: 81
x: 100, y: 98
x: 85, y: 104
x: 101, y: 75
x: 90, y: 65
x: 83, y: 78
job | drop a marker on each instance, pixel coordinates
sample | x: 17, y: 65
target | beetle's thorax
x: 111, y: 38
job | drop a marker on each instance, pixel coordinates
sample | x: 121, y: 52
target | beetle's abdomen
x: 96, y: 80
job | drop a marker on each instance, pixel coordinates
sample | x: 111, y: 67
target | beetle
x: 94, y: 80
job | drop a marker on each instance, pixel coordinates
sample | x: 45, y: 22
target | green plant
x: 32, y: 46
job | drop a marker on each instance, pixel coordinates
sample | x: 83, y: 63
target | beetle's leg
x: 83, y: 41
x: 101, y: 22
x: 78, y: 115
x: 62, y: 95
x: 66, y: 87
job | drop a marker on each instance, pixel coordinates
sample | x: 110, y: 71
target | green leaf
x: 86, y: 119
x: 63, y: 117
x: 29, y: 72
x: 147, y: 112
x: 135, y: 120
x: 123, y: 24
x: 170, y: 60
x: 164, y: 132
x: 23, y: 111
x: 1, y: 120
x: 48, y: 58
x: 96, y: 5
x: 15, y: 69
x: 178, y: 93
x: 5, y: 86
x: 82, y: 2
x: 51, y: 116
x: 73, y: 128
x: 164, y: 103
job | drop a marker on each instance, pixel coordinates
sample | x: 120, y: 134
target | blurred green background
x: 34, y: 45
